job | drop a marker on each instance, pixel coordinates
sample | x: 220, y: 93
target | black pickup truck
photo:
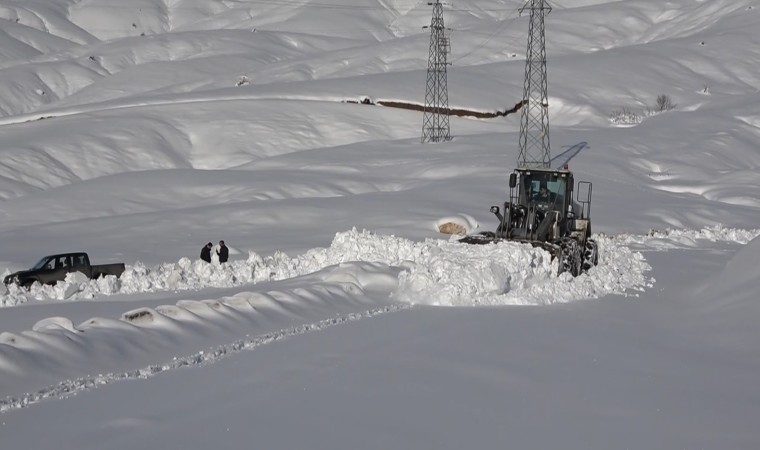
x: 52, y: 269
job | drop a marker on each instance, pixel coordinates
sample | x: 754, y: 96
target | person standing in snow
x: 223, y: 253
x: 206, y: 252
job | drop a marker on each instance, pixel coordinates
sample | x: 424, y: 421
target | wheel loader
x: 542, y: 211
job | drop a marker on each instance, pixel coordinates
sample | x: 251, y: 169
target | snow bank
x: 152, y: 338
x: 517, y: 274
x: 437, y: 272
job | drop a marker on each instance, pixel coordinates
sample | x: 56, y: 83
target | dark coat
x: 206, y: 254
x: 223, y: 253
x: 549, y: 197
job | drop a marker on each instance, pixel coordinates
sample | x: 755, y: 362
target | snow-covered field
x: 138, y: 131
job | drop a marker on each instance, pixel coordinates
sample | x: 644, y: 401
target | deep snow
x: 138, y: 132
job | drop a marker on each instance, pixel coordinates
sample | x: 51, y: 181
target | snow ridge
x: 518, y: 274
x: 68, y: 388
x: 436, y: 272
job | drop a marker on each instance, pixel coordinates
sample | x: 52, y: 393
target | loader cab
x: 543, y: 189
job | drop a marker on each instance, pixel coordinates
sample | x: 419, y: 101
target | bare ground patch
x: 459, y: 112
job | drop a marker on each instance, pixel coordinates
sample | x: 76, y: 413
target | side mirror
x: 495, y: 209
x: 512, y: 180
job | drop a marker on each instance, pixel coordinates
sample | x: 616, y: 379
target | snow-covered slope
x: 138, y: 131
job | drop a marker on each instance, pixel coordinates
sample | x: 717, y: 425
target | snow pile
x: 517, y: 274
x: 193, y: 275
x: 436, y: 272
x: 451, y: 273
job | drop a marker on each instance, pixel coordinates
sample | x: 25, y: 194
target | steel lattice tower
x: 435, y: 122
x: 534, y: 123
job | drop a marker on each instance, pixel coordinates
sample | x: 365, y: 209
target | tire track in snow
x: 71, y: 387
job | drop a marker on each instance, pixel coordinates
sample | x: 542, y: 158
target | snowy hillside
x: 137, y: 131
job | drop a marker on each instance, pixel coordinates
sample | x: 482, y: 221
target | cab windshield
x: 42, y: 263
x: 544, y: 189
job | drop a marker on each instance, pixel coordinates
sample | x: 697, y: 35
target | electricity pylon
x: 534, y: 123
x: 435, y: 122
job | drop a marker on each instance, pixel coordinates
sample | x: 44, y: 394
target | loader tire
x: 590, y: 255
x: 569, y: 257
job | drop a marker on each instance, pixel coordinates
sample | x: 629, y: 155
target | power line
x: 510, y: 19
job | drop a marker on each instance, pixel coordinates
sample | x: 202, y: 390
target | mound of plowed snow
x: 436, y: 272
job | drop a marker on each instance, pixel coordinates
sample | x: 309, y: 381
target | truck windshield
x: 41, y: 263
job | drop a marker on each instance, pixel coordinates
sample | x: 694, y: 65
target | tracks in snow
x: 71, y: 387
